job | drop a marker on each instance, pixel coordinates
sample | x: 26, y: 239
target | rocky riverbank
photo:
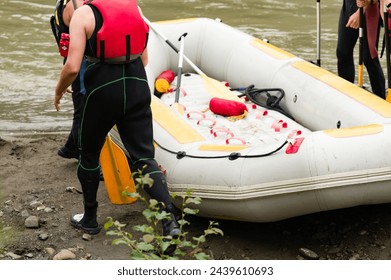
x: 39, y: 191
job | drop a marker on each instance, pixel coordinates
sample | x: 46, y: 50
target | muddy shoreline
x: 34, y: 181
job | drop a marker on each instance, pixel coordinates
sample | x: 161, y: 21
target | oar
x: 179, y: 76
x: 360, y: 49
x: 216, y: 88
x: 116, y: 172
x: 318, y: 32
x: 387, y: 42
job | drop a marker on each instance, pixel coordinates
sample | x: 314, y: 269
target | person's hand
x: 58, y: 96
x: 354, y: 20
x: 363, y: 3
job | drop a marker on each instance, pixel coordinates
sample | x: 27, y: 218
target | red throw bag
x: 227, y: 107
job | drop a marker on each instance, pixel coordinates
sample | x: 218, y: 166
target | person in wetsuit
x: 60, y: 25
x: 348, y: 33
x: 113, y: 37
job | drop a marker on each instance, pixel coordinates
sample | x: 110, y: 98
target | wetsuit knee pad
x: 89, y: 161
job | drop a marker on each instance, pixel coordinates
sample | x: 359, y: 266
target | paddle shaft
x: 180, y: 65
x: 360, y: 49
x: 387, y: 42
x: 216, y: 88
x: 198, y: 70
x: 318, y: 32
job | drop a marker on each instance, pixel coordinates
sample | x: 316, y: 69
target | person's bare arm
x: 144, y: 55
x: 78, y: 36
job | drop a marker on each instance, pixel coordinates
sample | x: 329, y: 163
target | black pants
x: 78, y: 100
x: 118, y: 94
x: 347, y: 39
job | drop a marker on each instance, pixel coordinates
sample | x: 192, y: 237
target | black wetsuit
x: 347, y: 39
x: 78, y: 92
x: 58, y: 27
x: 117, y: 94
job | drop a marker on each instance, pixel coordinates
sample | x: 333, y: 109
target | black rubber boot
x: 67, y: 152
x: 87, y: 221
x: 171, y: 227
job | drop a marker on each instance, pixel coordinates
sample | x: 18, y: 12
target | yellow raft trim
x: 222, y: 148
x: 173, y: 124
x: 355, y: 131
x: 271, y: 49
x: 361, y: 95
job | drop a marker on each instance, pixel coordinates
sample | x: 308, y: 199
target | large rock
x: 32, y: 222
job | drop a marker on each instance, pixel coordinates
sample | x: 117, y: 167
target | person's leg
x: 375, y: 70
x: 376, y: 76
x: 136, y: 132
x: 347, y: 38
x: 70, y: 149
x: 98, y: 117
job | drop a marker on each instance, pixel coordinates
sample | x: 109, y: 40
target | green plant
x: 149, y: 243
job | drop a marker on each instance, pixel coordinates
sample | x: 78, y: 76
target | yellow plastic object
x: 116, y: 173
x: 164, y: 80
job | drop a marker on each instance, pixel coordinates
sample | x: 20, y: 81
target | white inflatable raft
x: 327, y: 148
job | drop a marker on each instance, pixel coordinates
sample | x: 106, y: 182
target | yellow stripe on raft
x: 370, y: 100
x: 271, y: 49
x: 173, y: 124
x: 355, y: 131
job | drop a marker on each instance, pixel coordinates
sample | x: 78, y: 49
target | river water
x: 30, y: 63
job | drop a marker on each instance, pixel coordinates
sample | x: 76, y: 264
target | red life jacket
x: 124, y: 33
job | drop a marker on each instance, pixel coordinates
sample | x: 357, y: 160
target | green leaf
x: 163, y: 215
x: 191, y: 200
x: 164, y: 245
x: 213, y: 231
x: 188, y: 192
x: 113, y: 233
x: 190, y: 211
x: 202, y: 256
x: 153, y: 256
x: 200, y: 239
x: 119, y: 241
x: 144, y: 228
x: 183, y: 222
x: 109, y: 223
x: 119, y: 225
x: 135, y: 255
x: 131, y: 194
x: 145, y: 180
x: 148, y: 238
x: 153, y: 203
x: 185, y: 244
x: 145, y: 247
x: 218, y: 231
x: 149, y: 214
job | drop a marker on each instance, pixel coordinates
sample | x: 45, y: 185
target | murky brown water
x: 30, y: 64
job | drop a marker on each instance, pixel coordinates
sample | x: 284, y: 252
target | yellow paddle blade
x: 360, y: 75
x: 388, y: 98
x: 179, y: 108
x: 116, y: 173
